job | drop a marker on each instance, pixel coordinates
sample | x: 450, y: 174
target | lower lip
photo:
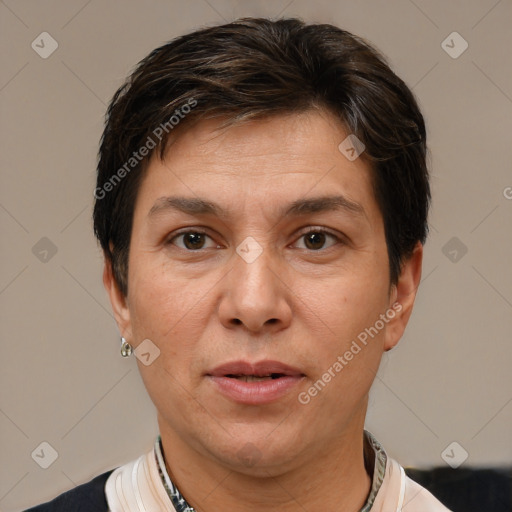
x: 256, y: 392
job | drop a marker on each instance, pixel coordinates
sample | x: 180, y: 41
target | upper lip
x: 258, y: 369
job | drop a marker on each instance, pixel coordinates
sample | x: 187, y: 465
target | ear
x: 402, y: 297
x: 118, y: 301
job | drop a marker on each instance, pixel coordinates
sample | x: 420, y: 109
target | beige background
x: 62, y: 378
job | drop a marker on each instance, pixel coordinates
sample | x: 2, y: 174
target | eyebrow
x: 198, y: 206
x: 323, y: 204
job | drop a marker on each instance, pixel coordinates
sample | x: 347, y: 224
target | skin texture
x: 296, y: 303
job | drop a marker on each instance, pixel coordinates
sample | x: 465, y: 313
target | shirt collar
x: 374, y: 455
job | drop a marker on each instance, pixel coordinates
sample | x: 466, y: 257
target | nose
x: 255, y: 296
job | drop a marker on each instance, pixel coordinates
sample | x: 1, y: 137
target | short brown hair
x: 255, y: 68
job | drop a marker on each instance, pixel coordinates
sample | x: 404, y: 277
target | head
x: 236, y: 227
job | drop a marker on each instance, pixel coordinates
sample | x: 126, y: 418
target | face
x: 258, y: 262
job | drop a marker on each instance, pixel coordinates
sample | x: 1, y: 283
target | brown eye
x: 191, y: 240
x: 317, y: 239
x: 314, y: 241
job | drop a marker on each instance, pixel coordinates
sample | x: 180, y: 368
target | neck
x: 330, y: 480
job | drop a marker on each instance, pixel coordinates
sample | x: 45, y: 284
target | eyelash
x: 337, y: 238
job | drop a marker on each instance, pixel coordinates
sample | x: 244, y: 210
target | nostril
x: 271, y: 321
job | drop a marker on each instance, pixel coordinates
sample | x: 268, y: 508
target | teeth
x: 253, y: 378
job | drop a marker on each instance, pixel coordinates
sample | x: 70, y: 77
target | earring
x: 126, y: 348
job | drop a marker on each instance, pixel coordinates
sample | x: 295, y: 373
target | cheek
x: 166, y: 310
x: 345, y: 357
x: 174, y: 312
x: 162, y: 303
x: 349, y: 304
x: 347, y: 347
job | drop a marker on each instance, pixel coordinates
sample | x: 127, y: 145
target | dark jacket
x: 88, y: 497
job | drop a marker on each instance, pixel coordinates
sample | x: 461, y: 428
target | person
x: 261, y: 202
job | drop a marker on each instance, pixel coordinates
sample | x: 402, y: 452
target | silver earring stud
x: 126, y: 348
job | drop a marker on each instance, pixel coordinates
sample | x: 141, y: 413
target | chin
x: 258, y: 454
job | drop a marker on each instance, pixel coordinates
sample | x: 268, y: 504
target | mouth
x: 255, y: 383
x: 256, y: 378
x: 265, y: 369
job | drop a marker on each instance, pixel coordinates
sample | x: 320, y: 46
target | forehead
x: 268, y: 161
x: 290, y: 138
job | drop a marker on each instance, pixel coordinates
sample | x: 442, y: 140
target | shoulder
x: 88, y: 497
x: 399, y: 493
x: 417, y: 498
